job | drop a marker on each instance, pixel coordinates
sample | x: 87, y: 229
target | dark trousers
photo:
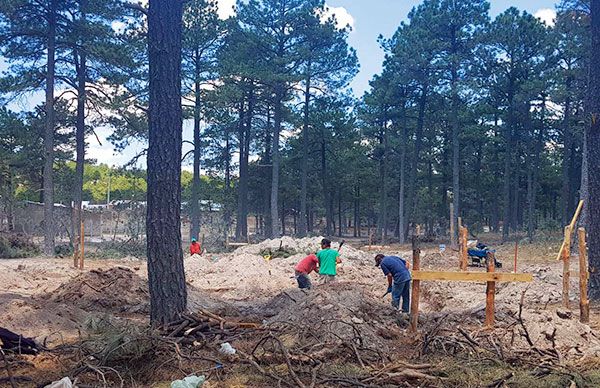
x: 303, y: 280
x: 401, y: 290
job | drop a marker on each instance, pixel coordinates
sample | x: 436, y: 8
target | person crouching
x: 304, y: 268
x: 398, y: 275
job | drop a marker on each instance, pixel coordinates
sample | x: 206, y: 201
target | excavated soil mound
x: 337, y: 312
x: 298, y: 246
x: 113, y: 290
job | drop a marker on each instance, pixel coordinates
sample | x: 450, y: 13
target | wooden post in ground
x: 516, y: 254
x: 82, y: 239
x: 416, y: 286
x: 370, y: 240
x: 463, y: 250
x: 566, y: 257
x: 490, y: 292
x: 452, y: 236
x: 584, y: 303
x: 571, y: 228
x: 76, y: 254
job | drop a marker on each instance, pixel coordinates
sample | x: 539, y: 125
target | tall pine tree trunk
x: 357, y: 210
x: 48, y: 185
x: 401, y: 195
x: 227, y: 208
x: 305, y: 145
x: 239, y: 222
x: 412, y: 184
x: 275, y: 230
x: 80, y: 60
x: 593, y: 154
x: 507, y: 162
x: 267, y: 172
x: 166, y: 276
x: 326, y: 189
x: 566, y: 161
x: 245, y: 122
x: 195, y: 206
x: 535, y: 171
x: 455, y: 153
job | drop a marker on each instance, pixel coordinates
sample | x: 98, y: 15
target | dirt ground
x: 57, y: 305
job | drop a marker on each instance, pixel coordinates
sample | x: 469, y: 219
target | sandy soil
x: 50, y: 301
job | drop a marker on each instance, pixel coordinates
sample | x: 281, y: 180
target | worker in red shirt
x: 303, y: 268
x: 195, y: 248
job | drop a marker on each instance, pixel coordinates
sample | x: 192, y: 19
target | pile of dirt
x: 295, y: 246
x: 338, y: 312
x: 549, y: 327
x: 115, y: 290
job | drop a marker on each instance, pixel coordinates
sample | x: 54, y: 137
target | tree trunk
x: 535, y: 171
x: 195, y: 206
x: 48, y: 185
x: 166, y: 276
x: 340, y: 223
x: 227, y: 208
x: 305, y: 145
x: 357, y: 210
x: 241, y: 231
x: 267, y: 175
x: 382, y: 224
x: 593, y: 154
x: 80, y: 60
x: 584, y: 193
x: 325, y: 184
x: 566, y: 161
x: 402, y: 225
x: 507, y: 163
x: 275, y: 231
x: 455, y: 152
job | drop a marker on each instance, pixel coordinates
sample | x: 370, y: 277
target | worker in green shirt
x: 328, y: 261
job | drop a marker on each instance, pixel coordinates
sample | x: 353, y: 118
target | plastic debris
x: 192, y: 381
x: 227, y: 349
x: 65, y: 382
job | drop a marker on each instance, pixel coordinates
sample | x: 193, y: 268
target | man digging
x: 304, y: 268
x: 328, y: 261
x: 398, y: 276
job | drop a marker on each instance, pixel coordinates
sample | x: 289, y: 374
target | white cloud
x: 343, y: 17
x: 546, y: 15
x: 225, y: 8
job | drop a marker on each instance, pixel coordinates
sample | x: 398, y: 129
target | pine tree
x: 166, y: 276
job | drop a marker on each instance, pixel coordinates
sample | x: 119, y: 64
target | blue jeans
x: 401, y: 290
x: 303, y: 280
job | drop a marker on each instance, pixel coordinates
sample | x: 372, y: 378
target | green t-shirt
x: 328, y: 261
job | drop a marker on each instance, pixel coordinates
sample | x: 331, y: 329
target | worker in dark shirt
x: 398, y: 275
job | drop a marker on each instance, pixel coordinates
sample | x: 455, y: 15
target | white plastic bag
x: 189, y: 382
x: 227, y: 349
x: 65, y: 382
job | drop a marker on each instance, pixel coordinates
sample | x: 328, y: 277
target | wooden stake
x: 516, y: 254
x: 81, y: 242
x: 571, y: 228
x: 464, y: 255
x: 566, y: 257
x: 490, y: 292
x: 370, y: 241
x: 452, y: 237
x: 584, y: 303
x: 416, y: 286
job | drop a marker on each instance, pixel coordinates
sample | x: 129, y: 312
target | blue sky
x: 375, y: 17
